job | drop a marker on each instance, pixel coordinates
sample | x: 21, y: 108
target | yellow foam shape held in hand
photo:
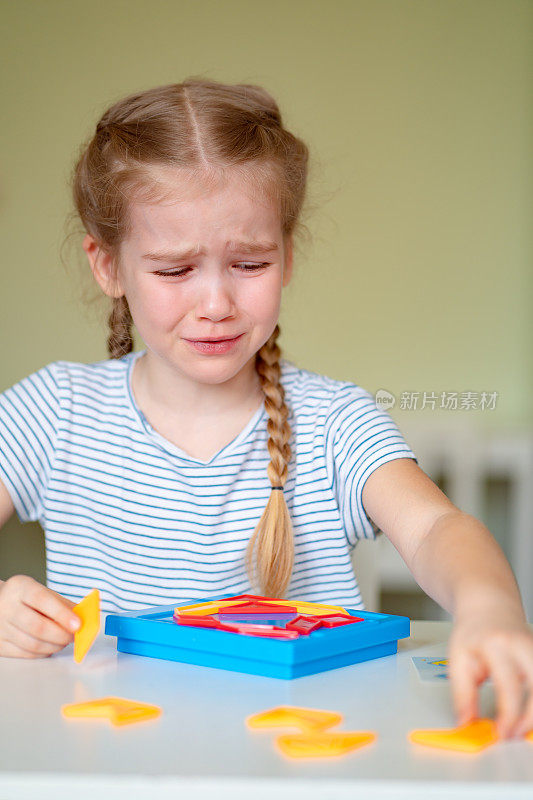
x: 470, y: 738
x: 88, y: 610
x: 321, y: 744
x: 118, y: 710
x: 307, y: 719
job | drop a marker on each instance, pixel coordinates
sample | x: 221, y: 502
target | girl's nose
x: 216, y: 300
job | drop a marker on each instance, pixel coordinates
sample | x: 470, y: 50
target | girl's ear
x: 103, y: 267
x: 287, y: 267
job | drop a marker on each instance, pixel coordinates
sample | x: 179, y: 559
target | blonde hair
x: 203, y: 126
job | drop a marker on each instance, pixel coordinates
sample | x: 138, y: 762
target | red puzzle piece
x: 269, y: 631
x: 334, y: 620
x: 304, y: 624
x: 252, y: 597
x: 197, y: 622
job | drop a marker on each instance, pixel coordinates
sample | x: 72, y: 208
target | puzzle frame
x: 152, y: 632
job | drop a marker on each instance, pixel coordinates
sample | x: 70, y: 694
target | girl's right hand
x: 34, y: 620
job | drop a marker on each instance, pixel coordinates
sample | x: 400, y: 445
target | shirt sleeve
x: 359, y: 437
x: 29, y: 424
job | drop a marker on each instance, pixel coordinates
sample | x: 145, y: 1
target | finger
x: 51, y: 605
x: 465, y: 672
x: 28, y: 643
x: 10, y: 650
x: 525, y: 722
x: 69, y: 603
x: 508, y: 687
x: 40, y: 627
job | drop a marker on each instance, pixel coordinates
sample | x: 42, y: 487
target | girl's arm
x: 457, y: 562
x: 7, y: 508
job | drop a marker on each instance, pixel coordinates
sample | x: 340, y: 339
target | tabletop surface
x: 201, y: 741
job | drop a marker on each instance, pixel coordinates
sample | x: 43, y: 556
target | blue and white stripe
x: 126, y: 511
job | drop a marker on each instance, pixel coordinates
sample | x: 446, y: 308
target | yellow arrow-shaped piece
x: 307, y: 719
x: 470, y: 738
x: 118, y: 710
x: 319, y: 745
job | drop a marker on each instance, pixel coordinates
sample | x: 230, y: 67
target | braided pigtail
x: 272, y: 541
x: 120, y: 340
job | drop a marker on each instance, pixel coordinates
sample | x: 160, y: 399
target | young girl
x: 206, y: 464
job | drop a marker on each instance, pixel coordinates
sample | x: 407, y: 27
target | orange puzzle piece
x: 323, y: 743
x: 213, y: 606
x: 307, y: 719
x: 316, y: 609
x: 118, y: 710
x: 88, y: 610
x: 200, y: 610
x: 470, y: 738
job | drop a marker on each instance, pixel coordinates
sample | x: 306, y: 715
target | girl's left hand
x: 497, y: 645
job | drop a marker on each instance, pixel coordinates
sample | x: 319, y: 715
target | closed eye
x: 185, y: 270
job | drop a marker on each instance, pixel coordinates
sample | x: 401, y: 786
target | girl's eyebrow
x: 233, y: 246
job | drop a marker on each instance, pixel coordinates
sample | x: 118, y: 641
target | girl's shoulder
x: 96, y: 372
x: 343, y: 417
x: 305, y: 388
x: 61, y: 379
x: 326, y: 403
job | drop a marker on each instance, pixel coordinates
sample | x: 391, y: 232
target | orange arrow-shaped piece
x: 470, y: 738
x: 324, y: 743
x: 306, y: 719
x: 117, y: 710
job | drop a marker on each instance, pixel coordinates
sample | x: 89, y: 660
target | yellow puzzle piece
x: 322, y: 744
x: 118, y: 710
x: 88, y: 610
x: 470, y: 738
x: 302, y: 607
x: 313, y: 609
x: 206, y: 608
x: 529, y: 736
x: 307, y: 719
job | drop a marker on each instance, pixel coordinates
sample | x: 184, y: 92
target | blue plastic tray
x: 152, y: 632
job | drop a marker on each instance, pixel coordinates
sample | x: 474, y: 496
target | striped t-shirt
x: 128, y: 512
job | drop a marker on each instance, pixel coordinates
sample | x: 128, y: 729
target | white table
x: 201, y: 748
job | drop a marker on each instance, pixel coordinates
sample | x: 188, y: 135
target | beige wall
x: 419, y: 118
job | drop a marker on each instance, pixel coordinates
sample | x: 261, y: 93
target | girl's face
x: 208, y: 264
